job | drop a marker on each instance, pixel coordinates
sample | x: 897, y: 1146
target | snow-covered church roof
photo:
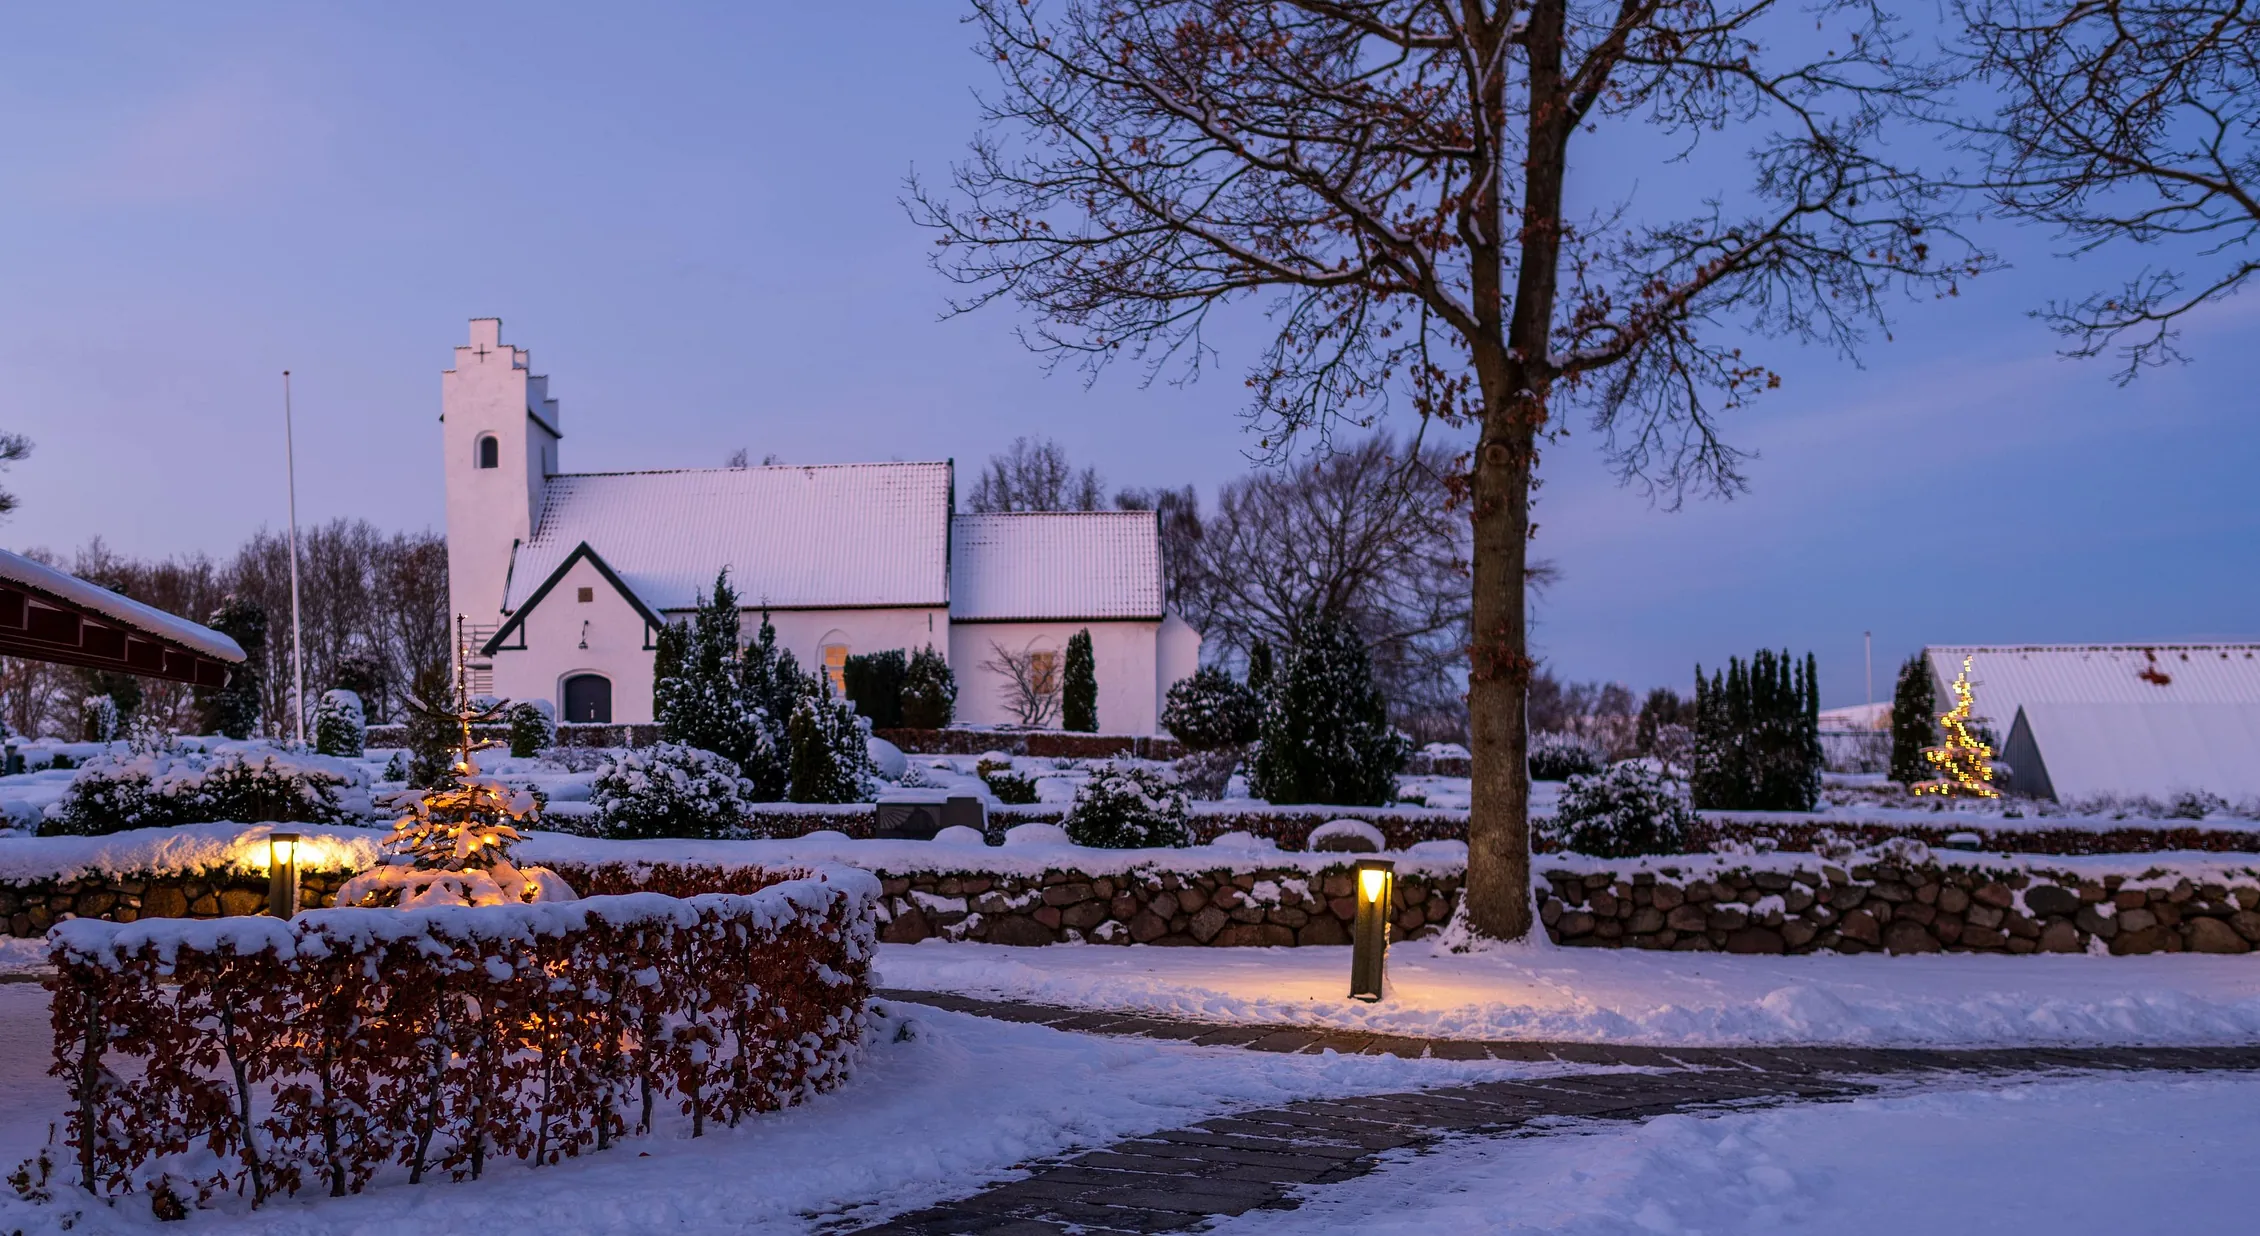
x: 2127, y: 719
x: 1056, y: 565
x: 794, y: 537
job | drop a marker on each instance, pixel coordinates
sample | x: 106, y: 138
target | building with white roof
x: 2081, y: 720
x: 566, y: 577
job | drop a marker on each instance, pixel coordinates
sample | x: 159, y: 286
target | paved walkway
x: 1178, y: 1180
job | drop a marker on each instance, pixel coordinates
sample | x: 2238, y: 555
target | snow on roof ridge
x: 894, y: 463
x: 2169, y: 646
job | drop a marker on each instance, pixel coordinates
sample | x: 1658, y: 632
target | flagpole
x: 297, y: 644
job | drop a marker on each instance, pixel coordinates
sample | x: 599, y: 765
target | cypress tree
x: 1757, y: 735
x: 1914, y: 720
x: 1326, y: 734
x: 1079, y: 686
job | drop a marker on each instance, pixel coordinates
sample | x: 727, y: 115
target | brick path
x: 1177, y: 1180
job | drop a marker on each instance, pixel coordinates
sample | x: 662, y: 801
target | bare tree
x: 1179, y: 513
x: 14, y: 448
x: 1366, y: 533
x: 1396, y: 175
x: 1034, y: 475
x: 2128, y: 121
x: 1031, y: 682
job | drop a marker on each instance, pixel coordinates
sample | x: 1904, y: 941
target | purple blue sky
x: 689, y: 214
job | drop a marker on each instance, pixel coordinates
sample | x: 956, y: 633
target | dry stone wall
x: 1216, y: 908
x: 1884, y: 907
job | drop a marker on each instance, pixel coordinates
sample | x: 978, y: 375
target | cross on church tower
x: 480, y: 351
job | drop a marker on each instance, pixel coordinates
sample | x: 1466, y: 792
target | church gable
x: 512, y: 634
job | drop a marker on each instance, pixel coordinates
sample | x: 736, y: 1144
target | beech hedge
x: 258, y: 1057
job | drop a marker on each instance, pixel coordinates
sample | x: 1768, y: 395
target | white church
x: 566, y: 577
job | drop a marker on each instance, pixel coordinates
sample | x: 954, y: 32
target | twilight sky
x: 689, y: 214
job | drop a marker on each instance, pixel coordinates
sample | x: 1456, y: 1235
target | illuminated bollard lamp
x: 282, y: 874
x: 1369, y: 932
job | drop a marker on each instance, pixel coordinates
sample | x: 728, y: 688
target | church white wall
x: 1177, y: 656
x: 553, y: 633
x: 489, y: 510
x: 1123, y: 654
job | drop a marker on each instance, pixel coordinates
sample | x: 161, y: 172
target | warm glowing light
x: 1965, y: 765
x: 282, y: 850
x: 1373, y: 882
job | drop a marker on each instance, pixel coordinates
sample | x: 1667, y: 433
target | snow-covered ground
x: 933, y: 1115
x: 1591, y: 995
x: 2044, y: 1158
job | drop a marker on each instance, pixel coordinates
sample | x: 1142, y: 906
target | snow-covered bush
x: 1626, y: 812
x: 1348, y: 837
x: 1209, y: 711
x: 670, y: 790
x: 2196, y: 805
x: 340, y: 728
x: 1128, y: 807
x: 1207, y: 774
x: 1012, y: 788
x: 929, y: 691
x: 533, y: 728
x: 831, y: 760
x: 114, y: 793
x: 1326, y: 733
x: 98, y: 719
x: 1556, y: 756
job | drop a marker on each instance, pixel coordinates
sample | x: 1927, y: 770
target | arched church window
x: 490, y: 451
x: 588, y: 697
x: 835, y: 655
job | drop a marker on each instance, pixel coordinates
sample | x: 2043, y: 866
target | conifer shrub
x: 1206, y: 775
x: 1079, y: 686
x: 929, y: 691
x: 1556, y: 756
x: 1914, y: 721
x: 531, y: 728
x: 1128, y: 807
x: 670, y: 790
x: 873, y: 681
x: 707, y: 701
x: 1626, y: 812
x: 233, y: 710
x: 831, y: 757
x: 430, y: 736
x: 98, y: 719
x: 1757, y: 735
x: 1326, y: 733
x: 1014, y: 789
x: 1209, y: 711
x: 340, y: 728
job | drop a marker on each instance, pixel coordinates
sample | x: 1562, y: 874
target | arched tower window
x: 489, y: 451
x: 588, y: 697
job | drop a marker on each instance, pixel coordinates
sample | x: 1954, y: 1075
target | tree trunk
x: 1498, y: 823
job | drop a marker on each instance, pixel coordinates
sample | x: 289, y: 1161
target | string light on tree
x: 1964, y: 764
x: 453, y: 845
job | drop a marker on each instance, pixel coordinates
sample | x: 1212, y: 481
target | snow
x: 2040, y: 1158
x: 39, y: 577
x: 1083, y: 565
x: 936, y: 1113
x: 1537, y: 992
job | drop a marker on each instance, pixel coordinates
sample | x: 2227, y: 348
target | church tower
x: 499, y: 430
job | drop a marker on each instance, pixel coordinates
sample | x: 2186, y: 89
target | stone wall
x: 1218, y: 908
x: 1898, y: 909
x: 1053, y: 744
x: 30, y: 909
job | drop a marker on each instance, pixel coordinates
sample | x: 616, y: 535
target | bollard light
x: 1369, y: 932
x: 282, y: 874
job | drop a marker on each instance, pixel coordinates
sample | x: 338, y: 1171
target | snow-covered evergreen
x: 670, y: 790
x: 1079, y: 686
x: 1127, y: 807
x: 533, y: 728
x: 1631, y: 810
x: 340, y: 727
x: 154, y: 789
x: 1210, y: 710
x: 1326, y: 733
x: 98, y: 719
x: 707, y: 700
x: 929, y: 691
x: 1556, y: 755
x: 831, y: 759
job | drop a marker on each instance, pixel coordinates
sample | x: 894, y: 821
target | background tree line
x: 373, y: 608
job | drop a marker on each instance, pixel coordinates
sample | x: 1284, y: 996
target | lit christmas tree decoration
x: 453, y: 846
x: 1964, y: 764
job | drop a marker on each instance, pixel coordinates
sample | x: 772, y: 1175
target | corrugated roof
x: 2151, y: 719
x: 1056, y: 565
x: 830, y: 536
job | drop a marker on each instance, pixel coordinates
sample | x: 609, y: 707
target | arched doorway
x: 588, y: 697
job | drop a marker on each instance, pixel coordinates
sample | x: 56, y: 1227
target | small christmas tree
x: 831, y: 752
x: 929, y: 691
x: 452, y: 848
x: 1326, y: 734
x: 1964, y: 761
x: 340, y: 727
